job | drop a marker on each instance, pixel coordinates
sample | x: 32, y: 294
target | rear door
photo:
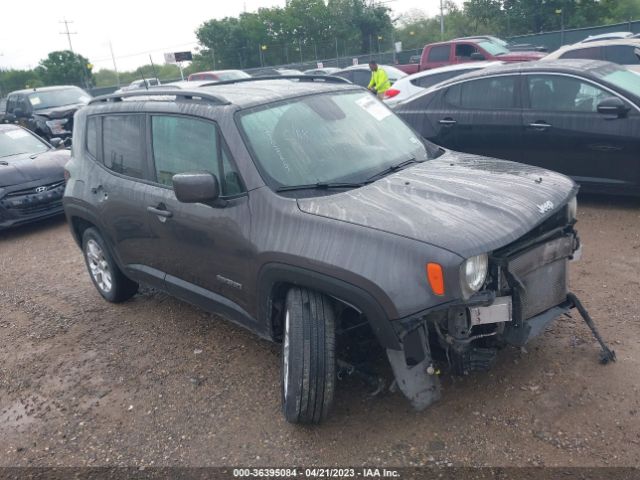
x: 117, y: 142
x: 203, y: 249
x: 438, y: 56
x: 563, y: 131
x: 481, y: 116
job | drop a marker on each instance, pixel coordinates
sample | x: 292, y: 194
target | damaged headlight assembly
x: 473, y: 273
x: 57, y: 126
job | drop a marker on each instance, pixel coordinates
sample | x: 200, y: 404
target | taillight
x: 392, y: 92
x: 67, y: 175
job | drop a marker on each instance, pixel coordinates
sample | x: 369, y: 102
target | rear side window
x: 361, y: 77
x: 439, y: 53
x: 183, y: 145
x: 592, y: 53
x: 622, y: 54
x: 563, y: 94
x: 92, y: 136
x: 123, y: 144
x: 495, y: 93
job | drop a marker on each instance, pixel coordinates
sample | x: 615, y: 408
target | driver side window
x: 182, y: 144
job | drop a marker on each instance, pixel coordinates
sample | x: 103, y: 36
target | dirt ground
x: 155, y: 381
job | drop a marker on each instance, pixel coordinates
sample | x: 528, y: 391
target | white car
x: 361, y: 75
x: 142, y: 83
x: 607, y: 36
x: 418, y: 82
x: 624, y: 52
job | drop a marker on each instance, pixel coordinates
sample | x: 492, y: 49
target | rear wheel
x: 308, y: 356
x: 112, y: 284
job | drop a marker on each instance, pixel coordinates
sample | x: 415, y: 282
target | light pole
x: 441, y: 19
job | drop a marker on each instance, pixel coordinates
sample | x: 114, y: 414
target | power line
x: 67, y: 32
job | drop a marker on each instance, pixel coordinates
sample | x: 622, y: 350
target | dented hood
x: 48, y: 165
x: 464, y: 203
x: 64, y: 111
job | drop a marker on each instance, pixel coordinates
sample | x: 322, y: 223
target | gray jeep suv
x: 293, y: 206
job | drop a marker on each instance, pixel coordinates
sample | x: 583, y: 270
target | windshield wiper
x: 392, y: 168
x: 319, y: 186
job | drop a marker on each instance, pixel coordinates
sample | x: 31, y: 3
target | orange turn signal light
x: 436, y: 278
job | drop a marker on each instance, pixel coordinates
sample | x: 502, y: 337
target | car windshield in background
x: 329, y: 138
x: 57, y: 98
x: 18, y: 141
x: 493, y: 48
x: 621, y: 78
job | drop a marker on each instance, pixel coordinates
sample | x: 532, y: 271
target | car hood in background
x: 22, y: 169
x: 464, y: 203
x: 64, y: 111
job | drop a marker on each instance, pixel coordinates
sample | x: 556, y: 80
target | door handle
x: 540, y: 125
x: 160, y: 212
x: 447, y: 122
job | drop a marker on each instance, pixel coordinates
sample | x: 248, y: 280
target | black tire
x: 308, y: 356
x: 119, y: 288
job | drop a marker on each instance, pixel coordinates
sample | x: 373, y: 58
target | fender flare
x: 272, y: 274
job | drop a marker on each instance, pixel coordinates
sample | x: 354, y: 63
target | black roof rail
x: 162, y: 92
x: 301, y: 78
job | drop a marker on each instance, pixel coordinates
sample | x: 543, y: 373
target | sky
x: 135, y: 29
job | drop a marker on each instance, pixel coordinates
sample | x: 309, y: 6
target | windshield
x: 17, y: 141
x: 57, y: 98
x: 493, y: 48
x: 623, y: 79
x: 333, y: 137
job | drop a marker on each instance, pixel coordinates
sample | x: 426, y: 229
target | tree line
x: 307, y: 30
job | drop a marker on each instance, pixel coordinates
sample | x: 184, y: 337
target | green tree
x: 65, y: 67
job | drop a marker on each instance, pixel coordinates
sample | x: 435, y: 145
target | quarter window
x: 563, y: 94
x: 495, y: 93
x: 183, y: 144
x: 123, y: 144
x: 439, y: 53
x: 92, y: 136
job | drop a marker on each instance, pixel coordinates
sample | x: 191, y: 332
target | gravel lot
x: 155, y: 381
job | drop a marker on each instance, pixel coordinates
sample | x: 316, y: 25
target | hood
x: 521, y: 56
x: 463, y: 203
x: 22, y: 169
x: 64, y: 111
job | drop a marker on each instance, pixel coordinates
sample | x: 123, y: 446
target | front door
x: 203, y: 249
x: 563, y: 131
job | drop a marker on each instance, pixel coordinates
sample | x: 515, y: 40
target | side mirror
x: 196, y: 187
x: 613, y: 107
x: 55, y: 142
x: 477, y: 56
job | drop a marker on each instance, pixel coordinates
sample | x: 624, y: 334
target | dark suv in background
x: 47, y: 111
x: 306, y: 211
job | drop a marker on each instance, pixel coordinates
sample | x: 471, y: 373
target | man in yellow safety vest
x: 379, y: 81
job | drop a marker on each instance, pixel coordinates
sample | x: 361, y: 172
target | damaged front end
x: 526, y: 288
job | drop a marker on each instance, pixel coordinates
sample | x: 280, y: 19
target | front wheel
x: 108, y: 279
x: 308, y: 356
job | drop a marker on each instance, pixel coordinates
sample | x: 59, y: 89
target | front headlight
x: 572, y: 209
x: 473, y: 273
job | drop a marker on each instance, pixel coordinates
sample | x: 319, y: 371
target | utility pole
x: 115, y: 67
x: 67, y: 32
x: 441, y: 19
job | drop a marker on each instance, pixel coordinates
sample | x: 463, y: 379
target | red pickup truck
x: 465, y: 50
